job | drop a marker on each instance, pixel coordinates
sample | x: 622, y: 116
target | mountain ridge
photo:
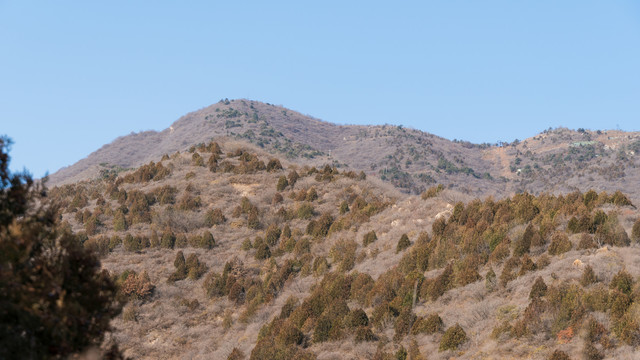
x: 557, y: 160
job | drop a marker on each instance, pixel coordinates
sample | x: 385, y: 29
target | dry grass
x: 180, y: 321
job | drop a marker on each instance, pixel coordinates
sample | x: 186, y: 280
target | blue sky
x: 74, y: 75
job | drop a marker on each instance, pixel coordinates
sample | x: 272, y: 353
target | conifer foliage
x: 54, y: 300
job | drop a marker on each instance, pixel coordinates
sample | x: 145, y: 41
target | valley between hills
x: 251, y: 231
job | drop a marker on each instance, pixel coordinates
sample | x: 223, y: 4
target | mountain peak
x: 556, y: 160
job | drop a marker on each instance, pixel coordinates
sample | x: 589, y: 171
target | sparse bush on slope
x: 321, y: 228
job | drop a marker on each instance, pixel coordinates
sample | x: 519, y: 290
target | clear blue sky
x: 74, y: 75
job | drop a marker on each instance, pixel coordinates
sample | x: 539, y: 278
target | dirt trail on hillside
x: 503, y: 161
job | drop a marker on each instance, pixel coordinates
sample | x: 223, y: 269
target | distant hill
x: 558, y: 161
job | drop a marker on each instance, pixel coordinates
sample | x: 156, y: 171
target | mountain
x: 225, y: 251
x: 557, y: 160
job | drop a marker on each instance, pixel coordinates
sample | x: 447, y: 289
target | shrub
x: 188, y: 202
x: 566, y: 301
x: 619, y: 302
x: 237, y: 293
x: 344, y: 208
x: 622, y: 281
x: 432, y: 192
x: 181, y: 241
x: 466, y: 271
x: 214, y: 217
x: 559, y: 355
x: 282, y: 183
x: 114, y: 242
x: 293, y: 177
x: 194, y: 267
x: 305, y: 211
x: 91, y: 225
x: 179, y: 262
x: 597, y: 298
x: 523, y: 245
x: 246, y: 245
x: 206, y: 241
x: 274, y: 165
x: 289, y: 335
x: 369, y: 238
x: 453, y: 337
x: 595, y: 330
x: 302, y: 246
x: 322, y: 329
x: 253, y: 222
x: 429, y: 325
x: 364, y: 333
x: 403, y: 243
x: 500, y: 252
x: 137, y: 286
x: 165, y: 194
x: 619, y: 199
x: 501, y: 329
x: 320, y: 228
x: 559, y: 244
x: 168, y: 240
x: 588, y: 276
x: 357, y: 318
x: 214, y: 285
x: 312, y: 195
x: 527, y: 265
x: 262, y: 249
x: 360, y: 286
x: 154, y: 240
x: 508, y: 270
x: 539, y: 289
x: 403, y: 323
x: 440, y: 284
x: 300, y: 195
x: 288, y: 244
x: 181, y: 268
x: 235, y: 354
x: 132, y: 244
x: 288, y: 307
x: 277, y: 199
x: 612, y: 233
x: 197, y: 160
x: 401, y: 354
x: 145, y: 173
x: 543, y: 261
x: 586, y: 242
x: 119, y: 221
x: 627, y: 328
x: 519, y: 329
x: 438, y: 227
x: 490, y: 280
x: 194, y: 240
x: 590, y: 352
x: 635, y: 231
x: 320, y: 266
x: 343, y: 253
x: 99, y: 245
x: 574, y: 226
x: 272, y: 235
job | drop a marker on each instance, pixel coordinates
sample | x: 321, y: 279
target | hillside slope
x: 557, y: 161
x: 227, y: 252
